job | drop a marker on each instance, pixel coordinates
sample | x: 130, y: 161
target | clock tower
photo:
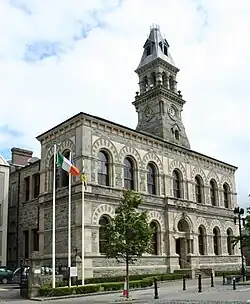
x: 158, y: 103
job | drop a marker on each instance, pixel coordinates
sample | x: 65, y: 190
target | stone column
x: 173, y: 260
x: 167, y: 81
x: 174, y: 84
x: 34, y: 279
x: 142, y: 181
x: 210, y: 245
x: 118, y: 175
x: 150, y: 81
x: 169, y: 185
x: 142, y: 85
x: 158, y: 78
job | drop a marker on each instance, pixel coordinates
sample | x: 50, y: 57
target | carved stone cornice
x: 125, y: 133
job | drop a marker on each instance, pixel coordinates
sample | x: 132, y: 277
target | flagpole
x: 69, y: 226
x: 54, y: 224
x: 83, y: 215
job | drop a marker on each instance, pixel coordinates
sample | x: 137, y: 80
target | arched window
x: 164, y: 79
x: 177, y: 134
x: 165, y: 50
x: 103, y: 222
x: 229, y: 241
x: 145, y: 80
x: 183, y: 226
x: 153, y: 79
x: 216, y: 238
x: 148, y: 50
x: 52, y: 174
x: 155, y: 237
x: 171, y: 83
x: 103, y: 169
x: 177, y: 184
x: 213, y: 192
x: 201, y: 240
x: 151, y: 179
x: 198, y: 189
x: 226, y: 193
x: 129, y: 174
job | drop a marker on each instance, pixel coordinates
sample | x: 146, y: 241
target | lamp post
x: 239, y: 213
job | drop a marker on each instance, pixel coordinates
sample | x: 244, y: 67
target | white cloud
x: 208, y: 41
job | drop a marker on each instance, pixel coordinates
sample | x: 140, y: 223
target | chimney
x: 20, y: 156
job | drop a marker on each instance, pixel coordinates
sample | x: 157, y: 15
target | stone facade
x: 193, y: 228
x: 4, y: 192
x: 23, y: 206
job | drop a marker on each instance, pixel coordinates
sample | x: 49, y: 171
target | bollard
x: 156, y: 289
x: 224, y: 279
x: 234, y: 284
x: 199, y: 283
x: 212, y: 280
x: 184, y: 283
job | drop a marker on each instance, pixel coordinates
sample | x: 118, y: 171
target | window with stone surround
x: 103, y: 168
x: 230, y: 249
x: 103, y: 222
x: 129, y: 174
x: 216, y: 241
x: 27, y: 188
x: 35, y: 239
x: 199, y: 189
x: 155, y: 237
x: 202, y: 240
x: 213, y: 192
x: 36, y: 185
x: 151, y: 178
x: 177, y: 184
x: 226, y: 195
x: 164, y: 79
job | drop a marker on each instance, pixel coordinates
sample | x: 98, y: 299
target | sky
x: 60, y: 57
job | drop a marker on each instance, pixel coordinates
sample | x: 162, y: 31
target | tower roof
x: 156, y: 44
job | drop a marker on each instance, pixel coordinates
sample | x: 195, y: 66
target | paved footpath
x: 171, y: 292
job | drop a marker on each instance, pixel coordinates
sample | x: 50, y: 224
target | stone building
x: 4, y: 187
x: 23, y: 208
x: 190, y: 197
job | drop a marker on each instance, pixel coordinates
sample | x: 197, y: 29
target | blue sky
x: 60, y: 57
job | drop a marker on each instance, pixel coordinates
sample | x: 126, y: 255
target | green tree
x: 128, y: 234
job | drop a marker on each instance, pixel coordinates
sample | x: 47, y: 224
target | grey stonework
x: 85, y: 135
x: 101, y: 200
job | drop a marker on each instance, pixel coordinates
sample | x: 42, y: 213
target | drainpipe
x: 17, y: 218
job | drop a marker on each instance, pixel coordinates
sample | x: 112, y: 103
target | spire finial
x: 154, y: 26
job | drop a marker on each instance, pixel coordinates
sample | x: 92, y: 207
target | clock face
x: 148, y: 113
x: 172, y: 112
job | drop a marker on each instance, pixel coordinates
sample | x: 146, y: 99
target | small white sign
x: 73, y: 272
x: 37, y: 270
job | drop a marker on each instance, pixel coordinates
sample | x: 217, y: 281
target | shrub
x: 105, y: 284
x: 46, y: 291
x: 63, y: 291
x: 227, y: 273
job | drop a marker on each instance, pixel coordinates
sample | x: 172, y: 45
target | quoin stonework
x: 190, y: 197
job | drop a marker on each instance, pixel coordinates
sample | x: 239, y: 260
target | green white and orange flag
x: 67, y: 165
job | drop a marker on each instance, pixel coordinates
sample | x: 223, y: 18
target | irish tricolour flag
x: 66, y: 165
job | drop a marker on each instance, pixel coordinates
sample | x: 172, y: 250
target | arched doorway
x: 184, y: 245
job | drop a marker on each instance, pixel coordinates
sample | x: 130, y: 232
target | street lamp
x: 240, y: 212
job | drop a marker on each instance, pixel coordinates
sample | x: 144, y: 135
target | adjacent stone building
x: 190, y: 197
x: 4, y: 192
x: 23, y: 215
